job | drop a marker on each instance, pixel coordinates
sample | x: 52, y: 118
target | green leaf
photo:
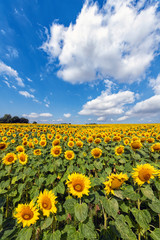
x: 106, y: 235
x: 88, y: 230
x: 56, y: 235
x: 81, y: 211
x: 143, y: 218
x: 111, y: 206
x: 157, y: 184
x: 124, y: 230
x: 129, y: 193
x: 155, y: 235
x: 60, y: 188
x: 25, y: 233
x: 155, y: 205
x: 95, y: 182
x: 2, y: 201
x: 50, y: 179
x: 148, y: 192
x: 7, y: 233
x: 47, y: 222
x: 69, y: 205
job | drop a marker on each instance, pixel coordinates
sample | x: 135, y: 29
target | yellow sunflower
x: 119, y: 150
x: 37, y: 152
x: 42, y: 143
x: 135, y: 145
x: 9, y: 158
x: 27, y: 214
x: 23, y: 158
x: 69, y: 155
x: 79, y: 144
x: 55, y: 142
x: 143, y: 173
x: 97, y: 141
x: 20, y: 149
x: 155, y: 147
x: 78, y: 184
x: 46, y: 202
x: 56, y: 151
x: 3, y: 145
x: 115, y: 182
x: 96, y: 152
x: 70, y: 144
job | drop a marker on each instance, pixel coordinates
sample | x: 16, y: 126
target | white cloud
x: 67, y: 115
x: 37, y: 115
x: 26, y: 94
x: 12, y: 52
x: 29, y: 80
x: 10, y: 72
x: 105, y: 104
x: 107, y: 42
x: 7, y: 83
x: 155, y: 84
x: 101, y: 119
x: 148, y: 108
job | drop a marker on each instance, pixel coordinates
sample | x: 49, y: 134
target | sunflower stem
x: 6, y: 213
x: 80, y: 200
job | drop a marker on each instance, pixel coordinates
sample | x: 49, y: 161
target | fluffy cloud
x: 37, y: 115
x: 106, y: 42
x: 26, y: 94
x: 155, y: 84
x: 147, y: 108
x: 12, y: 52
x: 10, y: 72
x: 67, y: 115
x: 106, y: 104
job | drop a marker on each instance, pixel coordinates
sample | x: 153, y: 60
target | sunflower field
x: 79, y: 182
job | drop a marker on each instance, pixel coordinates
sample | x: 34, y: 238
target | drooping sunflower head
x: 46, y: 202
x: 143, y: 173
x: 78, y: 184
x: 37, y: 152
x: 56, y: 151
x: 155, y: 147
x: 26, y: 214
x: 69, y: 155
x: 115, y: 182
x: 23, y: 158
x: 9, y: 158
x: 3, y: 146
x: 20, y: 149
x: 119, y: 150
x: 96, y: 152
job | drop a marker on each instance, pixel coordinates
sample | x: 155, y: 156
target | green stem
x: 6, y: 213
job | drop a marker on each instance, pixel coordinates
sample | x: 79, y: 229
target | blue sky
x: 80, y: 61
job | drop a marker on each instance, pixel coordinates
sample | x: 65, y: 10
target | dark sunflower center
x: 56, y: 152
x: 116, y: 183
x: 69, y: 155
x: 46, y: 204
x: 22, y: 158
x: 78, y: 188
x: 120, y: 150
x: 11, y: 159
x: 135, y: 145
x: 144, y: 175
x: 2, y: 146
x: 27, y: 214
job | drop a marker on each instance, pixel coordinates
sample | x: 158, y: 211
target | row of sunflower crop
x: 80, y: 182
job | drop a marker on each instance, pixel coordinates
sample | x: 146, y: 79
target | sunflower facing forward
x: 27, y: 214
x: 119, y: 150
x: 56, y: 151
x: 78, y: 184
x: 69, y: 155
x: 96, y: 152
x: 9, y: 158
x: 46, y: 202
x: 115, y: 182
x: 23, y: 158
x: 143, y: 173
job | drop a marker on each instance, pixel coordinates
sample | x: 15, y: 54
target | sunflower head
x: 70, y: 144
x: 119, y: 150
x: 78, y: 184
x: 135, y: 145
x: 96, y: 152
x: 115, y: 182
x: 3, y: 146
x: 46, y: 202
x: 9, y: 158
x: 155, y: 147
x: 69, y: 155
x: 143, y: 173
x: 20, y: 149
x: 26, y: 214
x: 79, y: 144
x: 37, y: 152
x: 23, y: 158
x: 56, y: 151
x: 97, y: 141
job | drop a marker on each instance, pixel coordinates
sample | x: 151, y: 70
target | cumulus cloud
x: 10, y: 72
x: 67, y: 115
x: 101, y: 119
x: 147, y: 108
x: 155, y: 84
x: 106, y: 42
x: 37, y: 115
x: 26, y: 94
x: 106, y: 104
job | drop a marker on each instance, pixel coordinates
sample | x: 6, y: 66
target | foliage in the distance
x: 7, y: 118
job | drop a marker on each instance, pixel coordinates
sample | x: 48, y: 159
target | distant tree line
x: 7, y: 118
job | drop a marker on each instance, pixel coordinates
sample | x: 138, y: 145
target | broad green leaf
x: 60, y: 188
x: 47, y: 222
x: 148, y: 192
x: 155, y: 235
x: 81, y: 211
x: 143, y: 218
x: 88, y: 230
x: 25, y: 233
x: 111, y: 206
x: 155, y: 205
x: 69, y: 205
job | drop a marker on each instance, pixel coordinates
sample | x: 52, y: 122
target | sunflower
x: 3, y: 145
x: 115, y: 182
x: 46, y: 202
x: 97, y: 141
x: 150, y: 140
x: 20, y: 149
x: 23, y: 158
x: 116, y: 138
x: 107, y: 139
x: 78, y: 184
x: 69, y: 155
x: 27, y: 214
x: 42, y: 143
x: 9, y: 158
x: 155, y: 147
x: 55, y: 142
x: 119, y: 150
x: 135, y: 145
x: 37, y: 152
x: 79, y: 144
x: 70, y: 144
x: 90, y: 139
x: 56, y: 151
x: 143, y: 173
x: 96, y: 152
